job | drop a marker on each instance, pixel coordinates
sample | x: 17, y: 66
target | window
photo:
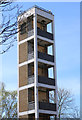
x: 23, y: 28
x: 50, y: 50
x: 51, y: 72
x: 49, y: 27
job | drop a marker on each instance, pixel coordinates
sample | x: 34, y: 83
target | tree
x: 65, y: 102
x: 66, y: 107
x: 9, y: 103
x: 8, y: 26
x: 75, y: 112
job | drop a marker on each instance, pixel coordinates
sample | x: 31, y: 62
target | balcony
x: 31, y: 105
x: 31, y: 79
x: 45, y: 80
x: 41, y: 55
x: 42, y: 79
x: 45, y: 56
x: 43, y: 106
x: 47, y: 106
x: 30, y: 33
x: 40, y: 33
x: 31, y: 55
x: 44, y: 34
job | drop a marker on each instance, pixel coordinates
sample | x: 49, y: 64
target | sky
x: 67, y: 39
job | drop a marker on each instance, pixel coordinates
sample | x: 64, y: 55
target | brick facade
x: 23, y: 99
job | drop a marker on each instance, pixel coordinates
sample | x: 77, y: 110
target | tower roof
x: 35, y: 6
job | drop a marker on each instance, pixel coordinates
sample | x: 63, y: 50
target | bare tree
x: 66, y: 106
x: 75, y: 112
x: 8, y: 26
x: 65, y: 102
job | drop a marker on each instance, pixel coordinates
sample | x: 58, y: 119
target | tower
x: 37, y: 84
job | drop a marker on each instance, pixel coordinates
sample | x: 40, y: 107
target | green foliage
x: 65, y: 104
x: 9, y: 103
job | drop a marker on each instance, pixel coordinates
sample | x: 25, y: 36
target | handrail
x: 31, y: 102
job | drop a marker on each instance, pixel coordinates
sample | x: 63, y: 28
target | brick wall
x: 24, y: 35
x: 23, y: 106
x: 23, y: 51
x: 23, y: 75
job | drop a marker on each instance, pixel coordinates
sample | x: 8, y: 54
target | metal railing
x: 31, y: 105
x: 41, y: 33
x: 31, y: 55
x: 45, y: 56
x: 46, y: 80
x: 47, y: 106
x: 44, y: 34
x: 31, y: 79
x: 30, y: 33
x: 42, y: 79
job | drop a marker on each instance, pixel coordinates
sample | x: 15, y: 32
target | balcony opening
x: 30, y: 73
x: 43, y: 95
x: 46, y: 95
x: 43, y: 74
x: 45, y: 47
x: 26, y: 28
x: 45, y: 70
x: 26, y: 25
x: 42, y: 70
x: 23, y: 28
x: 44, y: 24
x: 29, y: 23
x: 45, y: 50
x: 31, y: 94
x: 30, y: 50
x: 43, y: 98
x: 42, y: 48
x: 41, y: 24
x: 44, y: 27
x: 31, y: 103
